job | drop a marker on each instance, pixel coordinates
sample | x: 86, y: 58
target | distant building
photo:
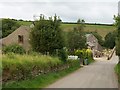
x: 19, y: 36
x: 93, y: 44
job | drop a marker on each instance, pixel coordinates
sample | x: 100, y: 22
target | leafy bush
x: 117, y: 23
x: 118, y: 47
x: 14, y: 48
x: 85, y: 54
x: 8, y: 26
x: 110, y: 40
x: 80, y: 53
x: 62, y: 54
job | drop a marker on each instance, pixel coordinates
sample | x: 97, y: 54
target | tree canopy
x: 76, y: 38
x: 8, y: 26
x: 110, y: 39
x: 117, y: 23
x: 46, y: 37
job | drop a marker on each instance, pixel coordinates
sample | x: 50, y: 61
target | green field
x: 101, y: 29
x: 26, y: 23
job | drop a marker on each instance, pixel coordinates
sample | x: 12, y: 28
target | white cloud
x: 90, y: 10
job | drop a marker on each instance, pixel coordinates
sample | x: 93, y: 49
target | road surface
x: 99, y: 74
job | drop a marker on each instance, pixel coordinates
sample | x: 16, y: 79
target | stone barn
x: 19, y: 36
x: 93, y: 44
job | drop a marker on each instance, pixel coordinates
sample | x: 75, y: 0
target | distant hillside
x: 102, y: 29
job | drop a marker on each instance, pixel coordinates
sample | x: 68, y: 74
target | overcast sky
x: 92, y: 11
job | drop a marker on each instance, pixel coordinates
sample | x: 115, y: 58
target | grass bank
x: 117, y: 70
x: 34, y: 71
x: 42, y: 80
x: 21, y: 67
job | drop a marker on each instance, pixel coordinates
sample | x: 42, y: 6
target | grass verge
x: 40, y: 81
x: 117, y: 70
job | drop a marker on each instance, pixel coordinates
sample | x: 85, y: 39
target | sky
x: 92, y: 11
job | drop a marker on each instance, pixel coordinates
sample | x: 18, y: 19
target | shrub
x: 85, y: 54
x: 88, y: 53
x: 62, y: 54
x: 79, y: 53
x: 14, y: 48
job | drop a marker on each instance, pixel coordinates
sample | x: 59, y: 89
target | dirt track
x: 100, y: 74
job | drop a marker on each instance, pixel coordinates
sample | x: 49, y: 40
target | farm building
x: 93, y: 44
x: 19, y: 36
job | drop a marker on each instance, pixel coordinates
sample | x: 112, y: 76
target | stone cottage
x: 93, y: 44
x: 19, y: 36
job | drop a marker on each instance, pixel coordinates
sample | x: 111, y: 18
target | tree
x: 8, y: 26
x: 110, y: 40
x: 99, y: 38
x: 76, y: 38
x: 46, y: 37
x: 117, y: 23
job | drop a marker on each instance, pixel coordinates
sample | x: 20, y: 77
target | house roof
x: 20, y: 29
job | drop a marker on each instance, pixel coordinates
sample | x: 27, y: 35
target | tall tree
x: 99, y: 37
x: 8, y: 26
x: 110, y: 40
x: 76, y: 38
x: 46, y: 37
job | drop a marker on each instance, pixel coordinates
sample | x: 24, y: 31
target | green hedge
x: 14, y: 48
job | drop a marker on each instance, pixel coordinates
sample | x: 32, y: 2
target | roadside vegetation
x: 47, y: 61
x: 117, y: 70
x: 117, y: 23
x: 25, y: 68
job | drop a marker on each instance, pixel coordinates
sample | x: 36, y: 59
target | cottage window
x: 20, y: 38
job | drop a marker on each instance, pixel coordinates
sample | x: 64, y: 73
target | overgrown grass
x: 117, y: 69
x: 24, y: 71
x: 27, y: 61
x: 42, y: 80
x: 90, y: 60
x: 22, y: 67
